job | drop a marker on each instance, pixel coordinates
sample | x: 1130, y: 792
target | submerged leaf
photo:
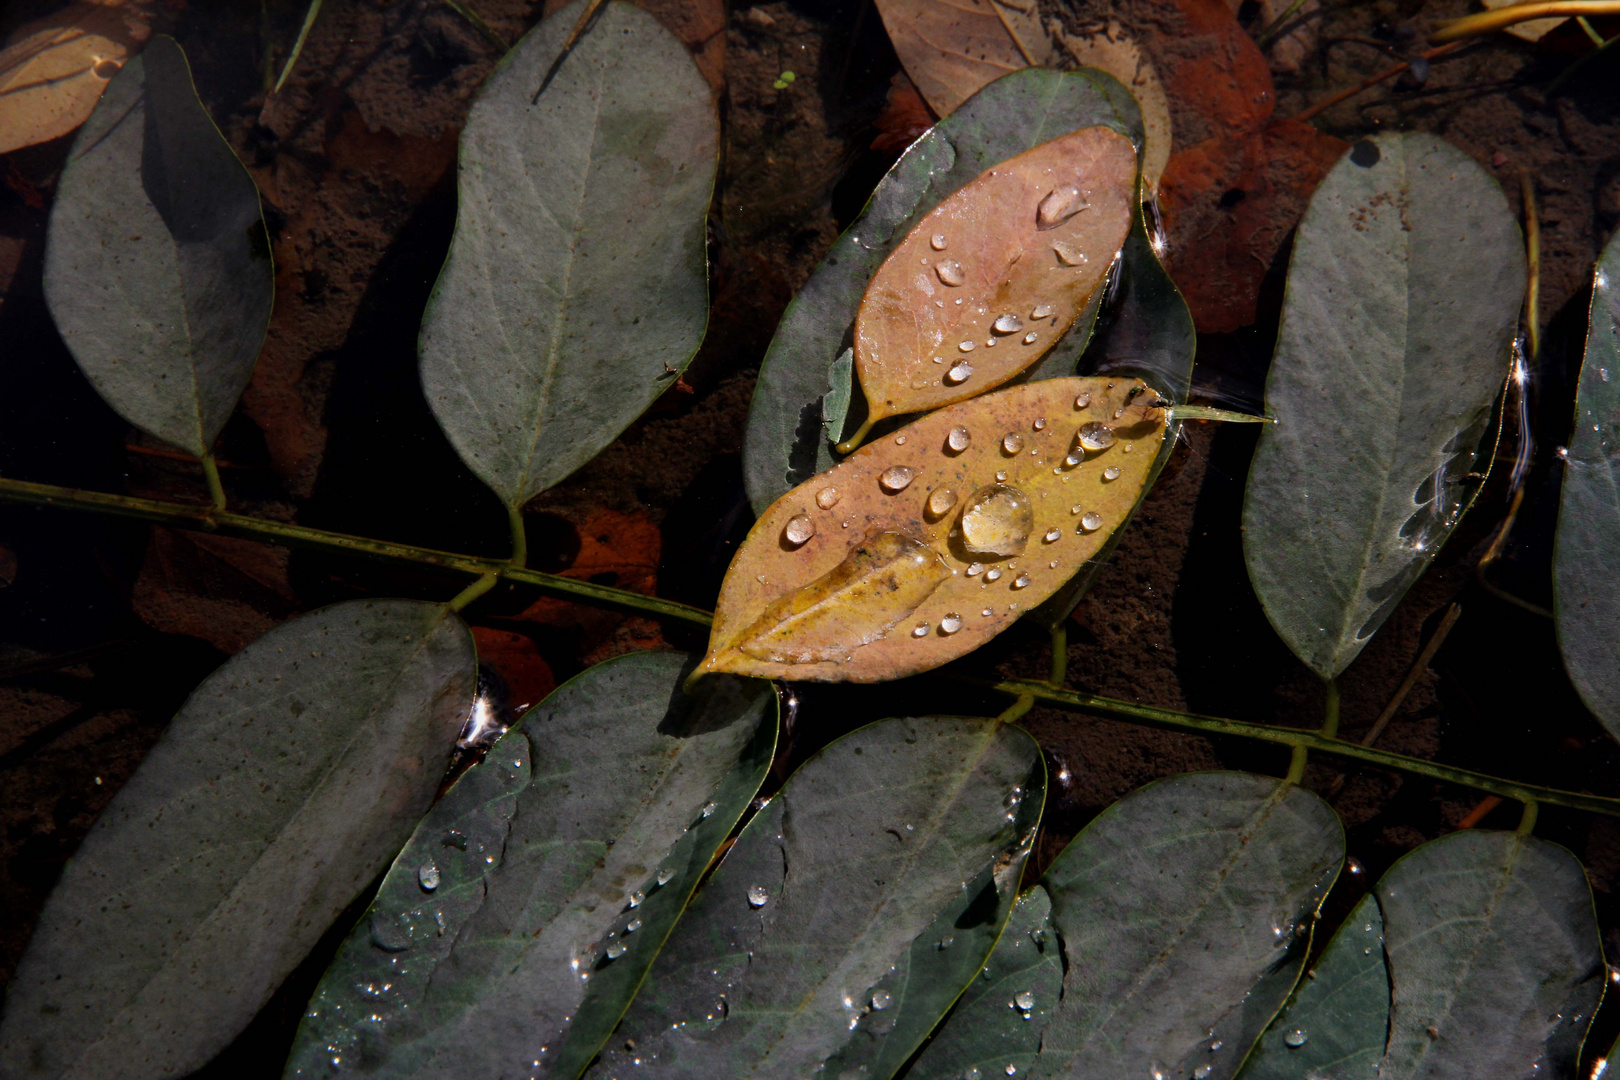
x: 575, y: 289
x: 926, y: 543
x: 157, y: 264
x: 1110, y: 48
x: 53, y: 71
x: 799, y: 949
x: 278, y: 792
x: 1403, y: 296
x: 518, y: 922
x: 1586, y: 590
x: 787, y: 441
x: 992, y: 277
x: 953, y: 48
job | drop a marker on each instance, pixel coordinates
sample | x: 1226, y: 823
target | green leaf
x: 157, y: 264
x: 786, y: 442
x: 1586, y: 593
x: 990, y: 1028
x: 1336, y: 1023
x: 576, y: 286
x: 540, y: 878
x: 799, y: 944
x: 1404, y: 290
x: 278, y: 792
x: 1185, y: 912
x: 1495, y: 960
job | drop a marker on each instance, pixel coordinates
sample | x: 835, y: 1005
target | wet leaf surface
x: 1111, y: 49
x: 999, y: 1020
x: 1586, y: 593
x: 1185, y: 912
x: 1495, y: 962
x: 929, y: 541
x: 785, y: 960
x: 53, y: 71
x: 278, y: 792
x: 556, y: 871
x: 1336, y: 1022
x: 575, y: 291
x: 157, y: 264
x: 953, y: 49
x: 992, y: 277
x: 1403, y: 297
x: 786, y: 442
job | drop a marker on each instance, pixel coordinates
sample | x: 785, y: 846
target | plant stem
x: 474, y: 20
x: 1017, y: 709
x: 520, y: 536
x: 206, y: 519
x: 1502, y: 18
x: 1532, y: 251
x: 1419, y: 666
x: 473, y: 592
x: 1060, y: 653
x: 1373, y: 80
x: 216, y: 490
x: 1264, y: 37
x: 851, y: 444
x: 1527, y: 820
x: 298, y: 46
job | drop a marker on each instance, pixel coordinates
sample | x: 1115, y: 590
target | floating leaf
x: 277, y: 793
x: 53, y: 71
x: 999, y: 1020
x: 1111, y: 49
x: 1337, y: 1020
x: 792, y: 953
x: 1403, y: 296
x: 1495, y: 960
x: 576, y: 285
x: 952, y: 49
x: 157, y: 265
x: 786, y: 441
x: 994, y: 275
x: 1586, y: 593
x: 926, y: 543
x: 1185, y: 913
x: 520, y: 919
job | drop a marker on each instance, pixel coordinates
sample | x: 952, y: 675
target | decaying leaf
x: 52, y: 71
x: 1113, y: 50
x: 951, y: 48
x: 923, y: 545
x: 990, y: 278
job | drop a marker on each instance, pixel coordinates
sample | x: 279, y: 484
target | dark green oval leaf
x: 157, y: 264
x: 999, y: 1020
x: 1404, y: 290
x: 787, y: 442
x: 1185, y: 912
x: 793, y: 951
x: 1336, y: 1023
x: 1586, y: 593
x: 576, y: 286
x: 560, y: 863
x: 279, y: 791
x: 1495, y: 961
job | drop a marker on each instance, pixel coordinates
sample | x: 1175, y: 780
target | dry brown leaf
x: 224, y: 590
x: 52, y: 71
x: 887, y: 564
x: 1112, y: 50
x: 951, y: 48
x: 989, y: 280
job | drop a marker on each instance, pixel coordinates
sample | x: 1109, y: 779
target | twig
x: 582, y: 24
x: 1419, y: 666
x: 298, y: 45
x: 1373, y: 80
x: 1486, y: 21
x: 1480, y: 812
x: 474, y: 20
x: 1263, y: 38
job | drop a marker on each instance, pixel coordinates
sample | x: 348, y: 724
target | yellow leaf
x: 990, y: 279
x: 52, y: 71
x: 930, y: 541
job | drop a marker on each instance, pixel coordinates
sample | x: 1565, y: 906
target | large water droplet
x: 937, y: 241
x: 1067, y: 253
x: 1012, y: 442
x: 997, y: 521
x: 828, y: 497
x: 881, y: 1000
x: 961, y: 371
x: 757, y: 896
x: 1111, y: 473
x: 965, y: 346
x: 428, y: 877
x: 940, y: 500
x: 1296, y: 1039
x: 1091, y: 521
x: 1026, y: 1000
x: 895, y: 478
x: 1059, y: 206
x: 1041, y: 311
x: 951, y: 623
x: 1009, y: 324
x: 1082, y: 401
x: 1040, y: 423
x: 799, y: 529
x: 958, y: 439
x: 1052, y: 536
x: 950, y: 272
x: 1095, y: 436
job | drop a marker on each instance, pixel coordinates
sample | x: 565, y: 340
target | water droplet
x: 1008, y: 324
x: 1074, y: 458
x: 997, y: 521
x: 975, y: 569
x: 1082, y: 401
x: 1011, y: 1070
x: 1040, y: 423
x: 757, y: 896
x: 973, y: 1074
x: 1091, y: 521
x: 1202, y: 1072
x: 1129, y: 447
x: 1067, y: 253
x: 615, y: 950
x: 958, y: 439
x: 950, y: 624
x: 1001, y: 477
x: 1215, y: 1044
x: 920, y: 630
x: 899, y: 440
x: 1296, y: 1039
x: 638, y: 897
x: 944, y: 943
x: 960, y: 371
x: 1095, y: 436
x: 950, y: 272
x: 1026, y: 1000
x: 895, y: 478
x: 665, y: 875
x: 990, y: 343
x: 965, y: 346
x: 1111, y: 473
x: 1029, y: 338
x: 1041, y: 311
x: 1012, y: 442
x: 994, y: 574
x: 1021, y: 581
x: 708, y: 809
x: 937, y: 242
x: 799, y: 529
x: 632, y: 926
x: 940, y: 500
x: 1052, y: 535
x: 1075, y: 509
x: 987, y: 612
x: 828, y: 497
x: 1059, y: 206
x: 428, y: 877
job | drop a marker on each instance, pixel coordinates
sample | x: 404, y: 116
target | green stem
x: 473, y: 592
x: 1060, y: 653
x: 1208, y: 412
x: 851, y: 444
x: 520, y: 536
x: 1296, y: 765
x: 216, y: 490
x: 1527, y: 820
x: 1017, y: 709
x: 205, y: 519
